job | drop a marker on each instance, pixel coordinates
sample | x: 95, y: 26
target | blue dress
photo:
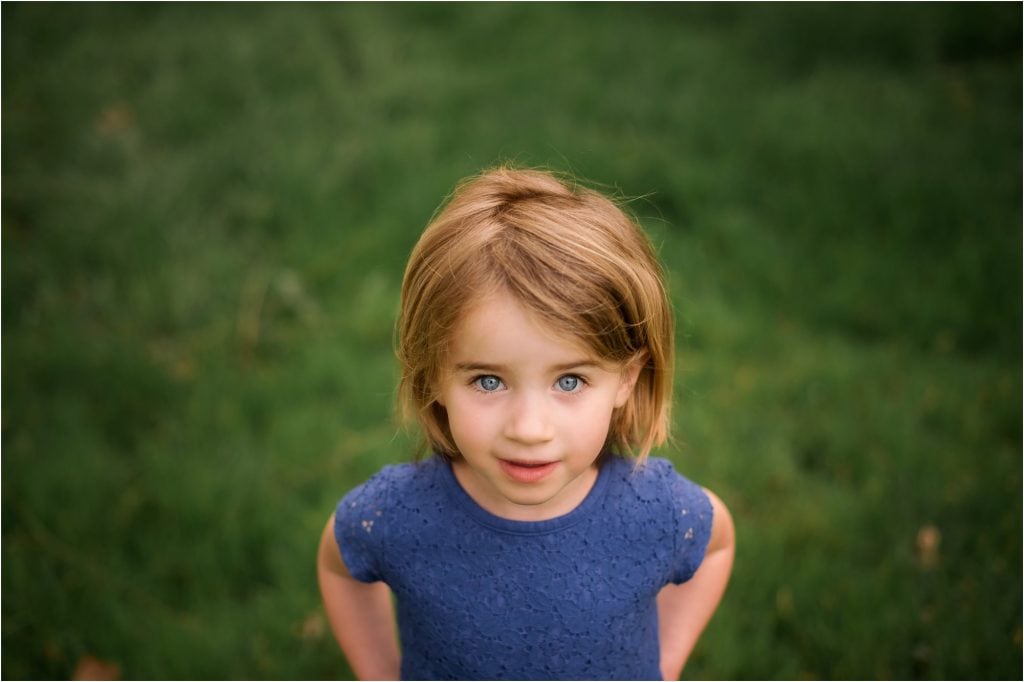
x: 481, y: 597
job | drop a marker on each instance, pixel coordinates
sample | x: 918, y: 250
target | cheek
x: 591, y: 429
x: 468, y: 425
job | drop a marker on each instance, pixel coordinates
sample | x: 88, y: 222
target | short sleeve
x: 693, y: 516
x: 359, y: 525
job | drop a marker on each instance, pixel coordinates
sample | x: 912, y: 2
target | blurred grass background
x: 206, y: 213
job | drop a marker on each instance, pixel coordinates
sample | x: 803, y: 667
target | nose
x: 529, y: 420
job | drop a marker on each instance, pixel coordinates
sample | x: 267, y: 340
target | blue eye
x: 569, y: 383
x: 488, y: 383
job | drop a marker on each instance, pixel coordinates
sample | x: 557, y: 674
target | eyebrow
x: 485, y: 367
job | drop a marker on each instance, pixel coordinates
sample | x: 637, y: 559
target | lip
x: 526, y: 472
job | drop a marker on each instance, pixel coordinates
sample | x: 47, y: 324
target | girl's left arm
x: 684, y: 610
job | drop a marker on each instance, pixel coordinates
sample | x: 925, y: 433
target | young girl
x: 538, y: 540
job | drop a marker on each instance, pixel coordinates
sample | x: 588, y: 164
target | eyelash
x: 581, y: 383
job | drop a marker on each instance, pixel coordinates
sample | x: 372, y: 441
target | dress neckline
x: 516, y: 527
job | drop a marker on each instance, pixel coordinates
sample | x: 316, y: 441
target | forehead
x: 500, y: 330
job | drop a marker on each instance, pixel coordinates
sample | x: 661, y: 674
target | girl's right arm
x: 361, y: 615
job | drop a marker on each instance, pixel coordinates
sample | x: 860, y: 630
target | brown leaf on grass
x: 928, y: 540
x: 313, y: 628
x: 115, y: 119
x: 92, y: 668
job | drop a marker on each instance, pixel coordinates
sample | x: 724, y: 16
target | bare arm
x: 360, y: 614
x: 684, y: 610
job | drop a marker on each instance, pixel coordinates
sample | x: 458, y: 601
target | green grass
x: 206, y: 213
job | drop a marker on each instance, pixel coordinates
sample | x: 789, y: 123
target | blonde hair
x: 566, y: 253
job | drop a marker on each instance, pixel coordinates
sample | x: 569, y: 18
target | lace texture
x: 482, y: 597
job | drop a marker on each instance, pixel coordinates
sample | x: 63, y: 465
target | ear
x: 437, y: 387
x: 628, y: 379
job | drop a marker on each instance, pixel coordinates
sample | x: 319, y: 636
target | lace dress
x: 482, y: 597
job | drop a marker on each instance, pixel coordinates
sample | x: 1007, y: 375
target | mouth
x: 526, y: 472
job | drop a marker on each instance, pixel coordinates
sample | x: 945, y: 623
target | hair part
x: 566, y: 253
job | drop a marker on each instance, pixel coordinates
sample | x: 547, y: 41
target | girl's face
x: 528, y: 410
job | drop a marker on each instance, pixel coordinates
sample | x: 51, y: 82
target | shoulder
x: 394, y: 481
x: 655, y: 487
x: 657, y: 479
x: 690, y: 508
x: 367, y: 518
x: 671, y: 511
